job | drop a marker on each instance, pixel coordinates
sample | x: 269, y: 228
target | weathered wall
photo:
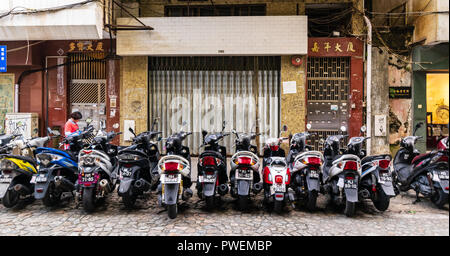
x: 380, y: 100
x: 400, y: 110
x: 134, y: 92
x: 293, y: 106
x: 431, y: 27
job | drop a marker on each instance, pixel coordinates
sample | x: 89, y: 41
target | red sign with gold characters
x: 339, y: 46
x: 86, y: 46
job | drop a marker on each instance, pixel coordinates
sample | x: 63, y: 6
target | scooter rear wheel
x: 50, y: 199
x: 89, y: 199
x: 172, y: 211
x: 209, y: 200
x: 312, y: 200
x: 382, y: 204
x: 278, y: 206
x: 10, y: 199
x: 349, y: 210
x: 243, y: 203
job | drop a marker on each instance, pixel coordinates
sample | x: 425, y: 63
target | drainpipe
x: 369, y: 82
x: 16, y: 98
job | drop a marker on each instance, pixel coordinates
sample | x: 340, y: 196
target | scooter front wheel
x: 172, y: 211
x: 439, y: 198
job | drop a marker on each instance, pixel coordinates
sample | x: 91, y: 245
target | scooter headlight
x: 43, y: 159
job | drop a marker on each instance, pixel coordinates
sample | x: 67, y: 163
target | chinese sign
x: 86, y: 46
x: 325, y: 46
x: 400, y: 92
x: 2, y: 58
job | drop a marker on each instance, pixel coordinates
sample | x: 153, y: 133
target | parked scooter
x: 276, y: 173
x: 341, y: 174
x: 212, y: 175
x: 426, y: 174
x: 306, y: 170
x: 16, y: 179
x: 375, y: 182
x: 244, y: 169
x: 175, y: 173
x: 138, y: 169
x: 58, y: 169
x: 96, y: 164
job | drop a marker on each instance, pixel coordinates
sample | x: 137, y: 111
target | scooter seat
x: 420, y: 158
x: 373, y: 158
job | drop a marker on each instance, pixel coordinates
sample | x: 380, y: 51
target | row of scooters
x: 90, y: 171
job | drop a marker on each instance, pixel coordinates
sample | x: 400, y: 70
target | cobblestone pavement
x: 402, y: 218
x: 112, y: 219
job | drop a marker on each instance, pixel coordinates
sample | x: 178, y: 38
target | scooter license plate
x: 171, y: 178
x: 5, y: 179
x: 207, y: 179
x: 279, y: 188
x: 313, y: 174
x: 385, y: 177
x: 40, y: 178
x: 350, y: 184
x: 443, y: 175
x: 88, y: 177
x: 245, y: 174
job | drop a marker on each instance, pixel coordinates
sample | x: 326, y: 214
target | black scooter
x: 426, y: 174
x: 375, y: 182
x: 137, y: 168
x: 175, y: 173
x: 244, y: 172
x: 212, y: 168
x: 306, y: 170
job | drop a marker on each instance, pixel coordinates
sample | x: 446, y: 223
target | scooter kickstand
x: 417, y: 198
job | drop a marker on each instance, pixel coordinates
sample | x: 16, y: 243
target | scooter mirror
x: 321, y: 141
x: 159, y: 139
x: 223, y: 125
x: 285, y: 128
x: 89, y: 120
x: 343, y: 128
x: 204, y: 133
x: 308, y: 126
x: 115, y: 126
x: 233, y: 131
x: 56, y: 133
x: 363, y: 128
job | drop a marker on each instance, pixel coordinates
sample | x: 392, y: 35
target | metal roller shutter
x: 204, y: 91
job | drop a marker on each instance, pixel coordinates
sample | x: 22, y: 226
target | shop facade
x: 55, y: 78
